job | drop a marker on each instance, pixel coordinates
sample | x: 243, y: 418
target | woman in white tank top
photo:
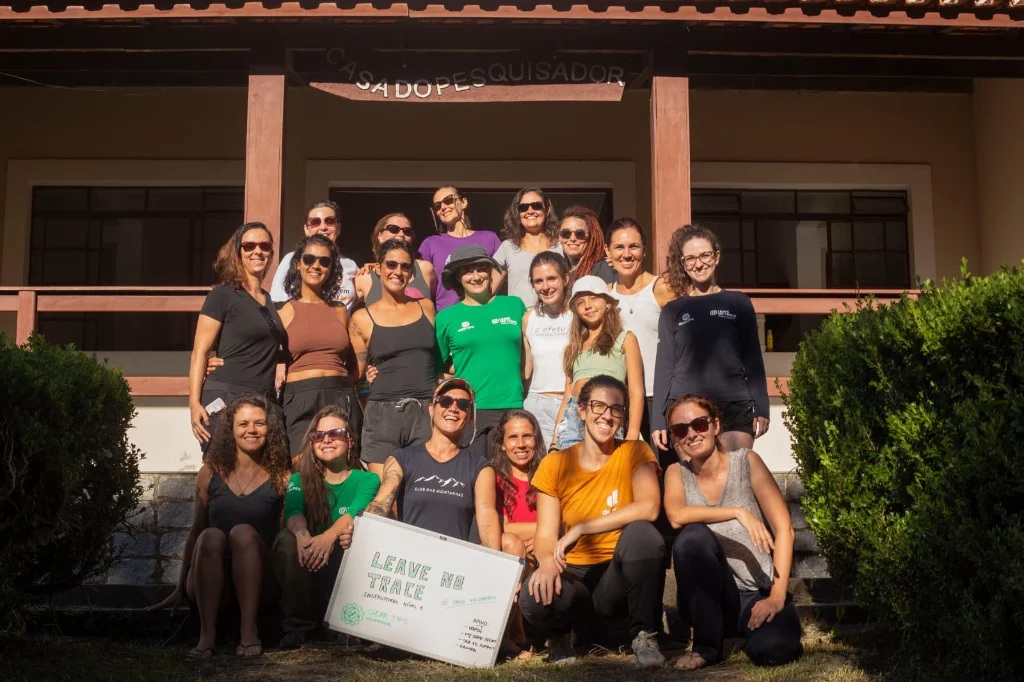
x: 641, y: 296
x: 547, y: 332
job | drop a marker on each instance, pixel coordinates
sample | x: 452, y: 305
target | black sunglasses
x: 308, y: 259
x: 699, y: 425
x: 394, y: 265
x: 395, y: 229
x: 447, y: 201
x: 334, y: 434
x: 265, y: 247
x: 330, y: 221
x: 580, y: 235
x: 446, y: 401
x: 535, y: 205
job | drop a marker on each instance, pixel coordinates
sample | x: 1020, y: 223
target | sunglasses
x: 392, y: 265
x: 535, y: 205
x: 699, y: 425
x: 580, y: 235
x: 308, y: 259
x: 329, y: 221
x: 333, y: 434
x: 447, y: 201
x: 395, y: 229
x: 599, y: 408
x: 265, y: 247
x: 446, y: 401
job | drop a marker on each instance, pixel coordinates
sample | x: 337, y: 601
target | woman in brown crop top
x: 322, y: 367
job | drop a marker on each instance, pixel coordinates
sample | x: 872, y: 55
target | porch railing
x: 28, y: 302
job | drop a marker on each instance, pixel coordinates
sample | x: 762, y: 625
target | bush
x: 69, y: 475
x: 908, y: 426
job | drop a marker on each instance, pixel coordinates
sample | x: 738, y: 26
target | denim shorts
x: 570, y: 430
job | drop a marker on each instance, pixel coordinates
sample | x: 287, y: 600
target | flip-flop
x: 202, y: 654
x: 242, y: 648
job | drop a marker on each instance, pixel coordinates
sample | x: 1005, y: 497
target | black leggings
x: 632, y: 582
x: 716, y: 608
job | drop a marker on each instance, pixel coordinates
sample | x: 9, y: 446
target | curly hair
x: 611, y: 327
x: 293, y: 280
x: 706, y: 404
x: 222, y: 455
x: 375, y: 242
x: 315, y: 504
x: 503, y: 467
x: 561, y: 264
x: 678, y: 278
x: 228, y: 264
x: 594, y: 250
x: 440, y: 227
x: 513, y: 229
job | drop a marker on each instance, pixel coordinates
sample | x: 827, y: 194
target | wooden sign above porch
x: 410, y: 78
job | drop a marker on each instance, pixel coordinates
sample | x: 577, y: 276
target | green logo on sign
x: 352, y: 614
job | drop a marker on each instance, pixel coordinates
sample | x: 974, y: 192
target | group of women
x: 483, y: 356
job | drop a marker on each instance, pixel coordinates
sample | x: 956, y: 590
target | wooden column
x: 27, y: 316
x: 264, y: 153
x: 670, y: 160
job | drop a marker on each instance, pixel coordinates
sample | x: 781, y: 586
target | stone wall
x: 153, y: 551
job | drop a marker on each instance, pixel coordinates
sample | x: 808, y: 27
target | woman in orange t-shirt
x: 611, y: 559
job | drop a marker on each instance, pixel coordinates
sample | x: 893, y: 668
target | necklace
x: 251, y: 479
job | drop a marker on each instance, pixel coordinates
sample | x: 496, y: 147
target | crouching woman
x: 323, y: 497
x: 611, y: 559
x: 731, y: 583
x: 237, y: 513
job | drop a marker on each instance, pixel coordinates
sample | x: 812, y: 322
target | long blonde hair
x: 604, y: 344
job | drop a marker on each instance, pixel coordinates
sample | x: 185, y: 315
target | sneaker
x: 645, y: 647
x: 560, y: 651
x: 293, y: 639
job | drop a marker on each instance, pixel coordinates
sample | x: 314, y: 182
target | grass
x: 848, y: 654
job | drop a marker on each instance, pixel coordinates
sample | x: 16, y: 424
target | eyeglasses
x: 535, y: 205
x: 447, y: 201
x: 395, y: 229
x: 707, y: 258
x: 599, y: 408
x: 265, y: 247
x: 329, y: 221
x: 446, y: 401
x: 699, y: 425
x: 334, y: 434
x: 580, y: 235
x: 308, y: 259
x: 392, y: 265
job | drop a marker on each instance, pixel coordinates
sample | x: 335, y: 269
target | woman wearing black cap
x: 411, y: 475
x: 482, y: 335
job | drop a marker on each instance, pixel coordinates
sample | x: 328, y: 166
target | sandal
x: 201, y: 654
x: 243, y: 648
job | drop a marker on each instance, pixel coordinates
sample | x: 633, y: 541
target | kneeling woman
x: 730, y: 584
x: 239, y: 492
x: 323, y: 497
x: 611, y: 559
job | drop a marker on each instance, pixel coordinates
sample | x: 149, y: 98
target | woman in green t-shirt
x: 323, y: 497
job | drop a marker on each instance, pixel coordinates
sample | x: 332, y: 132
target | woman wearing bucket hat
x: 482, y: 337
x: 598, y: 344
x: 410, y: 475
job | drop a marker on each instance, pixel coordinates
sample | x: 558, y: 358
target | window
x: 807, y: 239
x: 362, y: 208
x: 127, y: 236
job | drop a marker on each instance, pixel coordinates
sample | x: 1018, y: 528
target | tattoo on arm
x: 391, y: 483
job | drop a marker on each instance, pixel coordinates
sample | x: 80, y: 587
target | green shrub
x: 908, y: 426
x: 68, y: 474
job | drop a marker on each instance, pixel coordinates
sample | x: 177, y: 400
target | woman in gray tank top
x: 731, y: 583
x: 368, y: 283
x: 395, y: 336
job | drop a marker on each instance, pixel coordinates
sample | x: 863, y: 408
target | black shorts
x: 303, y: 399
x: 738, y: 415
x: 392, y: 425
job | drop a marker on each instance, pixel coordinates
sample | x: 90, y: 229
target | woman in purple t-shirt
x: 454, y: 230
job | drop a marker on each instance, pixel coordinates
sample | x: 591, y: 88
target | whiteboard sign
x: 423, y: 592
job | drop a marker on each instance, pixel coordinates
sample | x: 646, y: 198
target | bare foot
x: 691, y: 660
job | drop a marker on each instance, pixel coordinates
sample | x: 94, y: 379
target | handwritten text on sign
x: 510, y: 73
x: 423, y: 592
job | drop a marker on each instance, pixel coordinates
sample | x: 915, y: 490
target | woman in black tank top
x: 237, y: 513
x: 396, y: 337
x: 423, y: 283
